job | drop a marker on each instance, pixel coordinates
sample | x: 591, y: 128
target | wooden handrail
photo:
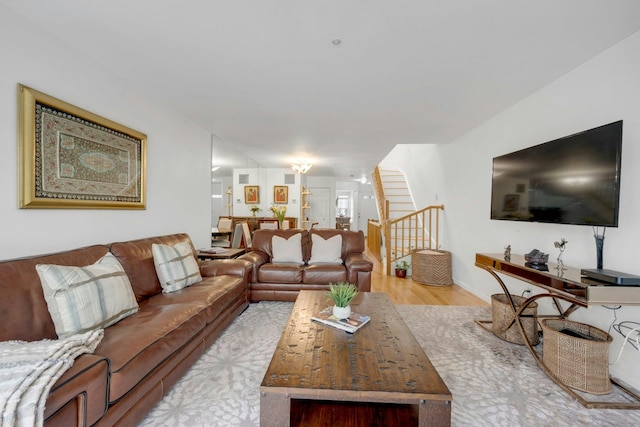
x: 383, y: 203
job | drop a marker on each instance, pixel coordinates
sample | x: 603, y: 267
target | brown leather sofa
x: 141, y: 356
x: 283, y: 281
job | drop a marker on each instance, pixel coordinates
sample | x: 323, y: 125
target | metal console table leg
x: 562, y: 313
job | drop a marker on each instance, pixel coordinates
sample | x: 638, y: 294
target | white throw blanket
x: 28, y: 370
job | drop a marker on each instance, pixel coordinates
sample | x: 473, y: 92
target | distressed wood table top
x: 381, y: 362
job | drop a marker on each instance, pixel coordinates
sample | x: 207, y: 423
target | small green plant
x: 342, y: 293
x: 402, y: 265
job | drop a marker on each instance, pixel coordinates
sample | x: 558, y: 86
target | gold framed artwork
x: 280, y: 194
x: 71, y: 158
x: 251, y: 194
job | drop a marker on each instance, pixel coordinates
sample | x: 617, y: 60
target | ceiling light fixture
x: 301, y: 167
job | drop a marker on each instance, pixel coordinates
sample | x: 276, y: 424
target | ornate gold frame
x: 49, y: 125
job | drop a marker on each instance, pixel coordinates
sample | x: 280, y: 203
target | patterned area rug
x: 493, y: 383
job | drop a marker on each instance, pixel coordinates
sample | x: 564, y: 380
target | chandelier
x: 301, y: 167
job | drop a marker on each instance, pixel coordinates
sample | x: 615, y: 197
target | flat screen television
x: 570, y: 180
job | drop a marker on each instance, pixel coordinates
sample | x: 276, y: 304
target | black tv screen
x: 571, y: 180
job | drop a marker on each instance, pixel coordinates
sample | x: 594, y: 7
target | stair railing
x: 417, y: 230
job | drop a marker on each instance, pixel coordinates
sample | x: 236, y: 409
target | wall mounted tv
x: 571, y: 180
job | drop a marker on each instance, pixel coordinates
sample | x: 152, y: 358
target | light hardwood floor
x: 406, y: 291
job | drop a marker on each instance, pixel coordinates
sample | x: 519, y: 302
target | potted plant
x: 342, y: 293
x: 401, y: 268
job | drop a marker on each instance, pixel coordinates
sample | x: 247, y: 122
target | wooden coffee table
x: 322, y: 376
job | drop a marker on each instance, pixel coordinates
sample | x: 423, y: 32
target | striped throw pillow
x: 80, y: 299
x: 176, y: 266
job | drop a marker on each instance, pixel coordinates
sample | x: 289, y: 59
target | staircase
x: 401, y: 228
x: 396, y: 192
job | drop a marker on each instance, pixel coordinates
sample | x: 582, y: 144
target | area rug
x: 494, y: 383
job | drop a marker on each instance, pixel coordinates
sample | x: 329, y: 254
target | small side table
x: 228, y: 254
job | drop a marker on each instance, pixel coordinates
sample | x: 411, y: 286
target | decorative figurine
x: 560, y: 245
x: 507, y: 253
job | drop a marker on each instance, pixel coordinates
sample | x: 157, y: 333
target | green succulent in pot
x: 342, y: 293
x: 402, y: 265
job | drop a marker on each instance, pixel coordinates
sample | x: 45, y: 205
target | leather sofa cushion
x: 25, y: 315
x: 139, y: 343
x: 324, y: 273
x: 280, y: 273
x: 214, y: 294
x: 136, y: 258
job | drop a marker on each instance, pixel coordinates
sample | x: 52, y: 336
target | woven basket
x: 579, y: 363
x: 502, y: 315
x: 431, y: 267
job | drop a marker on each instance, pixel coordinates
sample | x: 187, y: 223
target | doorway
x: 320, y: 202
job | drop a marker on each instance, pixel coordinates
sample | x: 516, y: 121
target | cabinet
x: 254, y: 221
x: 305, y: 221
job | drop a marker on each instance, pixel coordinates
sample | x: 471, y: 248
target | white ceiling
x: 265, y: 76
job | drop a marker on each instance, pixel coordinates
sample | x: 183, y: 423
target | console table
x: 561, y: 283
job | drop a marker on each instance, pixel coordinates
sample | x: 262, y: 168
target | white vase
x: 341, y: 312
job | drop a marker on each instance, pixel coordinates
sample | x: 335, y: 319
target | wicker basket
x: 579, y: 363
x: 431, y: 267
x: 502, y: 315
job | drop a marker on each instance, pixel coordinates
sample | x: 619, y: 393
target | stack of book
x: 351, y: 324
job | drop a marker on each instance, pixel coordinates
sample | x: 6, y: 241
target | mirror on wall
x: 225, y: 158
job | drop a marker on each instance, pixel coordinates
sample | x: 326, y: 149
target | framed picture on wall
x: 251, y: 194
x: 280, y: 194
x: 72, y: 158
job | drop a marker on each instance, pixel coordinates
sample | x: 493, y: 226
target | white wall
x: 178, y: 152
x: 603, y: 90
x: 266, y: 179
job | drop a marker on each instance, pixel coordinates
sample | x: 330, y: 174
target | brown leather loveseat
x: 313, y: 268
x: 140, y: 356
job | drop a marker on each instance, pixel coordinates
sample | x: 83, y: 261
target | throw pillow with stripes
x: 176, y: 266
x: 80, y: 299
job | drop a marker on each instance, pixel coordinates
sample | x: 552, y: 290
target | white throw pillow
x: 287, y: 250
x: 325, y: 251
x: 85, y: 298
x: 176, y: 266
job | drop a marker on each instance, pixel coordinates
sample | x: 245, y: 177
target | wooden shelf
x: 304, y: 206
